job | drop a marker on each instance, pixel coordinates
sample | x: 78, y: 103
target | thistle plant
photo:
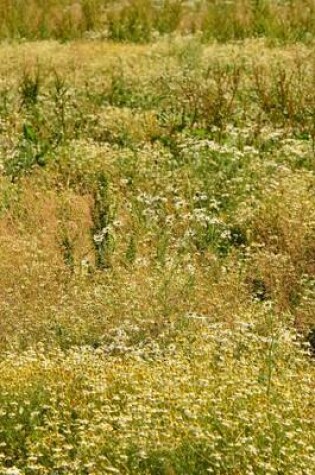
x: 102, y: 219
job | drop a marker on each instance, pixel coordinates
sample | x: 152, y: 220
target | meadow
x: 157, y: 240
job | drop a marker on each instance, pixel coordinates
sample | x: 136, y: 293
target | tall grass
x: 141, y: 20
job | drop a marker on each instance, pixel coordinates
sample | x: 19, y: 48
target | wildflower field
x: 157, y: 239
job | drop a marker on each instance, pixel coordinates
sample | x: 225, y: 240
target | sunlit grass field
x: 157, y: 257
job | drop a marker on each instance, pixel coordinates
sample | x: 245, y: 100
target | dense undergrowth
x: 157, y: 228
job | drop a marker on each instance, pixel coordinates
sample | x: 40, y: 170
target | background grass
x: 142, y: 20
